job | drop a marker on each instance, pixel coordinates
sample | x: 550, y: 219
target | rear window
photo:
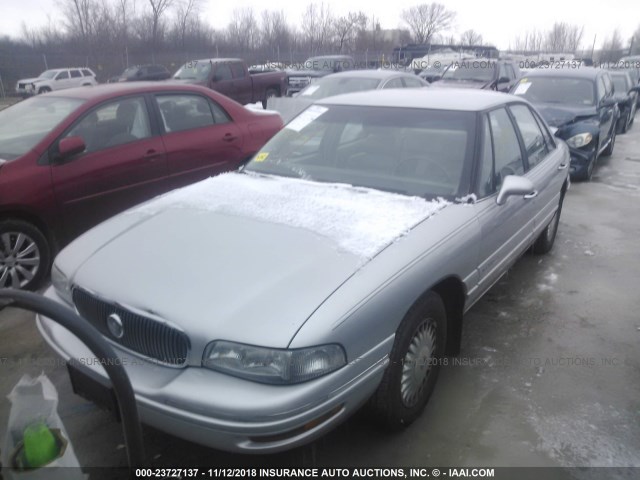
x: 87, y: 73
x: 75, y: 73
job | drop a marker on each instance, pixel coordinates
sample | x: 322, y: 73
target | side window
x: 75, y: 74
x: 219, y: 115
x: 486, y: 177
x: 394, y: 83
x: 112, y: 124
x: 534, y: 143
x: 608, y: 84
x: 412, y: 82
x: 184, y: 112
x: 238, y: 70
x: 602, y: 90
x: 503, y: 71
x: 548, y: 138
x: 223, y: 72
x: 62, y: 75
x: 87, y: 73
x: 510, y: 72
x: 508, y: 158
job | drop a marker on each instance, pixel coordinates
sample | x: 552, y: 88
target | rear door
x: 606, y: 113
x: 122, y: 165
x: 506, y: 229
x: 200, y: 138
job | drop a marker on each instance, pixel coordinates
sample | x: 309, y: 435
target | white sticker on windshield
x: 522, y: 88
x: 309, y: 90
x: 306, y: 117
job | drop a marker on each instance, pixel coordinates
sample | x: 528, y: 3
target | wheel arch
x: 38, y: 222
x: 453, y: 293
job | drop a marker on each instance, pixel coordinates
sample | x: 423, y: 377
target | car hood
x: 28, y: 80
x: 558, y: 116
x: 245, y: 258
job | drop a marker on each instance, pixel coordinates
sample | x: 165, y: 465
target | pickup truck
x: 231, y: 77
x: 317, y: 67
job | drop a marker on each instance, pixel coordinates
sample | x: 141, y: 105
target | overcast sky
x: 498, y: 21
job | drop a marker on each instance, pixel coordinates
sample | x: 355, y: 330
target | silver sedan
x: 256, y: 310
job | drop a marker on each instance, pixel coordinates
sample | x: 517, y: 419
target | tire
x: 43, y: 90
x: 24, y: 255
x: 271, y: 92
x: 609, y: 150
x: 418, y: 351
x: 588, y: 173
x: 544, y: 243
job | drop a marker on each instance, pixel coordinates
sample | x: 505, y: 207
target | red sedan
x: 72, y: 159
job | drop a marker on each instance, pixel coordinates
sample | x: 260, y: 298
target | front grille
x: 22, y: 86
x: 299, y: 81
x: 144, y: 335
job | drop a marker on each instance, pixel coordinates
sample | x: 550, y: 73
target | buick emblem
x: 114, y: 324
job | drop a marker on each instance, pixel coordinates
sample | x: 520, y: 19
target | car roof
x: 461, y: 99
x: 376, y: 74
x: 589, y: 73
x: 107, y: 90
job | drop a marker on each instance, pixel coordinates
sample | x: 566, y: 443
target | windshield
x: 411, y: 151
x: 563, y: 90
x: 48, y: 74
x: 326, y: 87
x: 478, y: 71
x: 24, y: 124
x: 194, y: 70
x: 620, y: 84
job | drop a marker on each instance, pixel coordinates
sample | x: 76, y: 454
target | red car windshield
x: 24, y: 124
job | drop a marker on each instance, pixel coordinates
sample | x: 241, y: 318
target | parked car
x: 140, y: 73
x: 481, y: 73
x: 71, y: 160
x: 317, y: 67
x: 580, y: 104
x: 231, y: 77
x: 432, y: 73
x: 339, y: 83
x: 268, y: 305
x: 56, y: 79
x: 626, y: 94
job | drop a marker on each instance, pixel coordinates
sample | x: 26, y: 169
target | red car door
x: 123, y: 164
x: 201, y: 139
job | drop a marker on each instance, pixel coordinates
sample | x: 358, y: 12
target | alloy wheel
x: 19, y: 259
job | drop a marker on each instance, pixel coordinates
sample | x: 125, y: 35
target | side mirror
x: 70, y: 146
x: 514, y: 185
x: 635, y: 89
x: 608, y: 102
x: 504, y: 80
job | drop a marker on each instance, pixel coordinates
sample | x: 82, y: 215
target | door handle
x: 563, y: 166
x: 229, y: 137
x: 152, y: 155
x: 531, y: 195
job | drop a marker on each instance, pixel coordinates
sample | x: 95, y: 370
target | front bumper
x: 229, y: 413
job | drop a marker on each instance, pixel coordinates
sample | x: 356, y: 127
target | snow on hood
x: 360, y: 220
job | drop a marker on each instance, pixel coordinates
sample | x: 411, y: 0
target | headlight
x: 580, y: 140
x: 61, y: 283
x: 271, y: 365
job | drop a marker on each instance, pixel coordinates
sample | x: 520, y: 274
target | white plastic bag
x: 36, y: 400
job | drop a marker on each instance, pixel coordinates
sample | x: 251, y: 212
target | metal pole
x: 101, y: 349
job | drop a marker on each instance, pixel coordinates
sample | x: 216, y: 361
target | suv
x: 144, y: 72
x: 56, y: 79
x: 480, y: 73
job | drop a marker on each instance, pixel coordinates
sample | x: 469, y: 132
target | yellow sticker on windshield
x: 524, y: 80
x: 262, y: 156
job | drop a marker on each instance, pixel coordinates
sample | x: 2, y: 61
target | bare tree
x: 574, y: 37
x: 158, y: 8
x: 316, y: 26
x: 186, y: 12
x: 276, y: 34
x: 634, y: 48
x: 346, y: 29
x: 243, y: 29
x: 612, y: 48
x: 427, y: 19
x: 471, y: 37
